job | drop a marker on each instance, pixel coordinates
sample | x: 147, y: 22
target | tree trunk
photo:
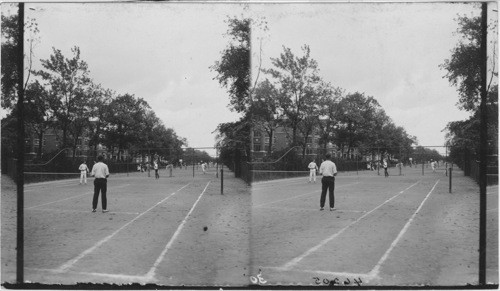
x: 40, y: 144
x: 270, y: 149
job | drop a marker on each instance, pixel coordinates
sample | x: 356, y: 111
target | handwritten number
x: 258, y: 278
x: 261, y: 280
x: 335, y: 281
x: 358, y: 282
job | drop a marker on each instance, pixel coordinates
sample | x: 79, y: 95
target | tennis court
x: 403, y: 230
x: 153, y: 233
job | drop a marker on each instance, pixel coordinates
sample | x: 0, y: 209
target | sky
x: 162, y: 52
x: 390, y: 51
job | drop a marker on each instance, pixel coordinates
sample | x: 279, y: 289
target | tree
x: 328, y: 115
x: 361, y: 120
x: 99, y: 99
x: 233, y: 70
x: 297, y: 80
x: 464, y: 68
x: 126, y: 122
x: 265, y: 110
x: 464, y: 72
x: 10, y: 56
x: 67, y: 80
x: 38, y: 113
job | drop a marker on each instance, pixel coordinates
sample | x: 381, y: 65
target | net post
x: 222, y: 180
x: 192, y: 160
x: 450, y: 170
x: 423, y: 163
x: 357, y: 171
x: 378, y: 162
x: 170, y: 169
x: 400, y: 162
x: 446, y: 163
x: 217, y: 163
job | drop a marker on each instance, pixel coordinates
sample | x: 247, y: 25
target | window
x: 256, y: 133
x: 309, y: 140
x: 267, y: 140
x: 256, y: 147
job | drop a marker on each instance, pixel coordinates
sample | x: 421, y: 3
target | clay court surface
x: 153, y: 232
x: 398, y: 231
x: 403, y: 230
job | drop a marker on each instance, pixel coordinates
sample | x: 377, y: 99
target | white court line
x: 72, y: 197
x: 296, y: 260
x: 33, y: 189
x: 308, y: 193
x: 71, y: 262
x: 374, y: 272
x: 291, y: 181
x: 150, y: 275
x: 308, y: 209
x: 81, y: 211
x: 67, y: 182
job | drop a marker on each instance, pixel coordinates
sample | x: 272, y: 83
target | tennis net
x: 265, y: 175
x: 35, y: 177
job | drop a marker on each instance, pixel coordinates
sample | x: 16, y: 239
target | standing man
x: 203, y: 167
x: 101, y: 173
x: 155, y: 166
x: 312, y: 171
x: 385, y: 168
x: 83, y: 172
x: 329, y: 171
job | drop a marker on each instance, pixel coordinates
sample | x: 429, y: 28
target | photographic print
x: 284, y: 144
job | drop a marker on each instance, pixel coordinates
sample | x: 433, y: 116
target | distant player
x: 101, y: 173
x: 312, y: 171
x: 203, y: 167
x: 155, y: 166
x: 329, y: 170
x: 83, y: 173
x: 385, y: 168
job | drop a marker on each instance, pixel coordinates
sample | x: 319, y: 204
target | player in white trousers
x: 312, y: 171
x: 83, y: 173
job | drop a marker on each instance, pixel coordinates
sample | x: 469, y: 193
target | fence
x: 470, y: 166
